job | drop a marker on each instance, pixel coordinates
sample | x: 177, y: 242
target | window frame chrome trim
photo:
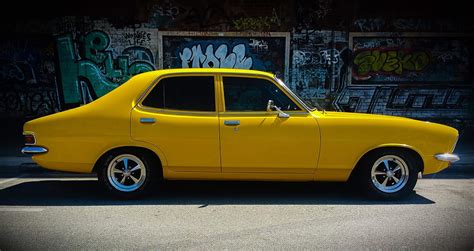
x: 174, y: 111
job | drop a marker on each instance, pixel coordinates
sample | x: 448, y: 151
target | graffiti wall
x: 224, y: 16
x: 258, y: 51
x: 95, y: 62
x: 396, y: 24
x: 419, y: 75
x: 27, y: 77
x: 411, y: 75
x: 319, y: 64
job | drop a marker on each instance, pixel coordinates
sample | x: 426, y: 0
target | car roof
x: 213, y: 70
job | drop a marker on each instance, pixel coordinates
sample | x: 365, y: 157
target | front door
x: 254, y: 140
x: 179, y: 116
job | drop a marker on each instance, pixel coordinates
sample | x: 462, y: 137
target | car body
x: 233, y: 141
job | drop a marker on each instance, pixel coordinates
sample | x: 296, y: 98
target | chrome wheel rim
x: 126, y: 173
x: 389, y: 174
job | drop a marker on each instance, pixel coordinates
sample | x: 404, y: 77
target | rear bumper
x: 448, y: 157
x: 34, y: 150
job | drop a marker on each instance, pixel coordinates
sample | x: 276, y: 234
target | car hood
x: 388, y: 121
x: 362, y: 116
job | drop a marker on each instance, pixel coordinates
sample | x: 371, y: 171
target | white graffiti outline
x: 215, y: 59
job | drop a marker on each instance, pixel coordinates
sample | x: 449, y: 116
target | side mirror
x: 272, y: 107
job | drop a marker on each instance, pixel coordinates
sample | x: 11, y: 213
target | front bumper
x: 34, y: 150
x: 448, y: 157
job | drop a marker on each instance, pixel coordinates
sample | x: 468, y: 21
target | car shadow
x: 199, y: 193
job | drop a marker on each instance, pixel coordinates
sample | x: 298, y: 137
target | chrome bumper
x: 449, y: 157
x: 33, y: 150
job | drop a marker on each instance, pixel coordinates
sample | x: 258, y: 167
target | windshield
x: 308, y: 104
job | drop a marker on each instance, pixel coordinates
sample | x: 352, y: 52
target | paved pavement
x: 45, y: 210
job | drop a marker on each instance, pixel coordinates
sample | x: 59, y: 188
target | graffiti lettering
x: 389, y: 61
x: 254, y: 23
x: 167, y: 10
x: 31, y: 102
x: 412, y: 24
x: 371, y: 24
x: 220, y: 58
x: 323, y: 57
x: 310, y: 13
x: 138, y: 38
x: 259, y: 45
x: 11, y: 71
x: 412, y: 102
x: 97, y: 67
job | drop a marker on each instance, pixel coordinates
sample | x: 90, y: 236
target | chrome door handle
x: 147, y: 120
x: 231, y: 122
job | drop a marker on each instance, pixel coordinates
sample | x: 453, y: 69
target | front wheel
x: 389, y: 174
x: 126, y: 174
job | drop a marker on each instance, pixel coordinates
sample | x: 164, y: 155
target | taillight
x: 29, y: 139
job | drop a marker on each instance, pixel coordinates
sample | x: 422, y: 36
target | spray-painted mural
x: 27, y: 77
x: 409, y: 75
x: 319, y: 64
x: 95, y: 63
x: 409, y: 59
x: 262, y: 51
x: 222, y: 57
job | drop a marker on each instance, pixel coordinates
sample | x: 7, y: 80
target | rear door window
x: 194, y: 93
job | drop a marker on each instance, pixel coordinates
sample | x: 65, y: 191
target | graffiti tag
x: 371, y: 24
x: 219, y: 58
x: 138, y: 37
x: 323, y: 57
x: 389, y: 61
x: 259, y: 45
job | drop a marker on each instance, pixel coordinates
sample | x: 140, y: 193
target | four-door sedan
x: 227, y: 124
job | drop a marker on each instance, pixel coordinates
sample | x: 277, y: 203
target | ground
x: 44, y: 210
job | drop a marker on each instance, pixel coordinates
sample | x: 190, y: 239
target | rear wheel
x: 389, y: 174
x: 127, y: 174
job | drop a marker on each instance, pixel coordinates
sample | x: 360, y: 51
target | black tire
x: 372, y: 182
x: 111, y: 181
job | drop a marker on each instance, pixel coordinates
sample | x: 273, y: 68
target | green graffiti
x: 97, y: 66
x: 257, y: 23
x: 389, y: 61
x: 95, y: 43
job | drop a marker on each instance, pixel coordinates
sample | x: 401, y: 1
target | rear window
x: 194, y: 93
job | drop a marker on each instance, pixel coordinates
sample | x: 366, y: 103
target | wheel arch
x: 144, y: 150
x: 409, y: 149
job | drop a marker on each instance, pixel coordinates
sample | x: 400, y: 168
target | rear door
x: 179, y: 116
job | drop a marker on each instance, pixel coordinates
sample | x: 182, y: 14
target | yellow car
x: 228, y: 124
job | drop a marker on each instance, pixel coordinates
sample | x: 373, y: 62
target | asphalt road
x: 52, y: 211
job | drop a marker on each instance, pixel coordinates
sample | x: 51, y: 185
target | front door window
x: 252, y: 94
